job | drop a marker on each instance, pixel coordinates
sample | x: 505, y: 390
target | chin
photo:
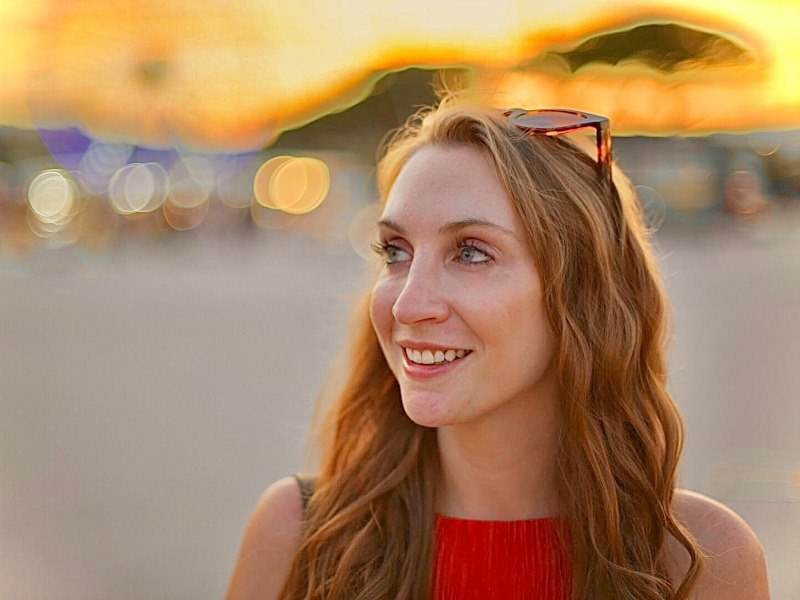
x: 428, y: 409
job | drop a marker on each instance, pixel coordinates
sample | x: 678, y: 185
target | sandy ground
x: 147, y: 397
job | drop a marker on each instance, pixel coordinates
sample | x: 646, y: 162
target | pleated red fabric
x: 508, y: 560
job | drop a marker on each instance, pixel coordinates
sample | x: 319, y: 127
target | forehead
x: 442, y: 183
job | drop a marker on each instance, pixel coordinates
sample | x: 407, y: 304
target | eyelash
x: 383, y: 249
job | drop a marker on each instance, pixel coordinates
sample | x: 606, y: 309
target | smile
x: 423, y: 364
x: 434, y: 357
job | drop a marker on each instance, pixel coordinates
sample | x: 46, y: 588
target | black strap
x: 306, y: 485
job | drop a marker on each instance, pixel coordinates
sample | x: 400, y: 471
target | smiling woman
x: 505, y: 429
x: 460, y: 278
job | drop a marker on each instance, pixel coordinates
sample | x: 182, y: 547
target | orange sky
x: 235, y: 74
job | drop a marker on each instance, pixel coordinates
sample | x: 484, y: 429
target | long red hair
x: 369, y: 526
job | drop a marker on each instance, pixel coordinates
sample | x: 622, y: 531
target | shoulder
x: 279, y: 512
x: 270, y: 542
x: 736, y: 567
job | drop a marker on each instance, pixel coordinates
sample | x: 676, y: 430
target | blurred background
x: 186, y: 199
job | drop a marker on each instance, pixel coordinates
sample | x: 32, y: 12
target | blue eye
x: 389, y: 252
x: 469, y: 254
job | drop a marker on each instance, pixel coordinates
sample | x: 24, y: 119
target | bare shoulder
x: 270, y: 542
x: 736, y: 568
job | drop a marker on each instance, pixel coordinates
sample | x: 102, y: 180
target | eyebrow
x: 454, y: 226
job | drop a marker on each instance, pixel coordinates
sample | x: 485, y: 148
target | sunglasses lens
x: 549, y: 119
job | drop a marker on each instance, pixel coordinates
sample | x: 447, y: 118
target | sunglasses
x: 555, y: 121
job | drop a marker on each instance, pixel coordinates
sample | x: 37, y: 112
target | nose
x: 423, y: 297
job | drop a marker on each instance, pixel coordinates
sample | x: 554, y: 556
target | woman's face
x: 458, y: 307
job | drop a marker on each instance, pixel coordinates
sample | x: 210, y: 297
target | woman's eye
x: 469, y: 254
x: 390, y: 253
x: 466, y: 252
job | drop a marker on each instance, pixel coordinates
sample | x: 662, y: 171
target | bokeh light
x: 51, y: 196
x: 262, y: 180
x: 202, y: 169
x: 100, y: 162
x: 300, y: 185
x: 187, y: 194
x: 54, y: 200
x: 295, y: 185
x: 363, y: 228
x: 188, y: 215
x: 138, y: 187
x: 765, y: 143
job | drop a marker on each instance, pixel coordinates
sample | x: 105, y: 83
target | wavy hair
x: 369, y: 528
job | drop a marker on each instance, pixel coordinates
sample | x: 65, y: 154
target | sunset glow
x: 234, y: 76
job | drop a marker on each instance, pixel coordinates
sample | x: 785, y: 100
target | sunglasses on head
x: 555, y: 121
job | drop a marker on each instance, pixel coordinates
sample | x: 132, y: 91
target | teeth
x: 429, y: 357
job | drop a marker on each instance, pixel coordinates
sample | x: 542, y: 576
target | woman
x: 505, y: 429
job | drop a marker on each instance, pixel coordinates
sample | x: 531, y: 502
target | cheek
x: 522, y: 328
x: 537, y: 341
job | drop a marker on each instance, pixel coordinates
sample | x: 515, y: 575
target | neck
x: 502, y: 467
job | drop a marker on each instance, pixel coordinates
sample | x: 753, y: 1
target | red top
x: 510, y: 560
